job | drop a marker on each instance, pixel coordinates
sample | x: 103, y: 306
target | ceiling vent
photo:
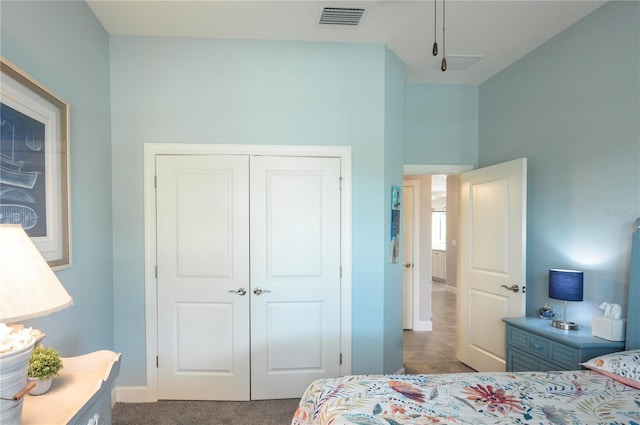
x: 342, y: 16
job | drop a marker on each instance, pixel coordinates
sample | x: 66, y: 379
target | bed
x: 607, y: 391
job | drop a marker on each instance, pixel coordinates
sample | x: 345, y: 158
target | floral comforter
x: 572, y: 397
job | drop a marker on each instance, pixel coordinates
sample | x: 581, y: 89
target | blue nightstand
x: 533, y: 344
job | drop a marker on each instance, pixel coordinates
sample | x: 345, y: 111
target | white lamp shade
x: 28, y: 286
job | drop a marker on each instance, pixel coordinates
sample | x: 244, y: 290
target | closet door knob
x: 239, y: 291
x: 259, y: 291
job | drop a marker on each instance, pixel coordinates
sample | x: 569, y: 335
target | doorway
x: 438, y: 188
x: 434, y: 351
x: 505, y: 185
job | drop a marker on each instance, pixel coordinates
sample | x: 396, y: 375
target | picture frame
x: 395, y: 224
x: 34, y: 163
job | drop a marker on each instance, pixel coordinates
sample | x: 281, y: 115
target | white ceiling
x: 500, y: 32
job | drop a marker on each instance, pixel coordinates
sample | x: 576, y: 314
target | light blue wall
x: 251, y: 92
x: 441, y: 124
x: 64, y: 47
x: 393, y: 158
x: 572, y: 108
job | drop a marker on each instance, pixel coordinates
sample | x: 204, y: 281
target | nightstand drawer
x: 564, y: 355
x: 528, y: 342
x: 539, y: 346
x: 517, y: 338
x: 543, y: 349
x: 520, y: 361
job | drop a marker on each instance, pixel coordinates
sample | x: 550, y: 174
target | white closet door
x: 202, y: 248
x: 295, y: 262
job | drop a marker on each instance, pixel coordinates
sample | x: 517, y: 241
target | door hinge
x: 157, y: 362
x: 340, y: 359
x: 340, y: 182
x: 155, y: 182
x: 340, y: 271
x: 156, y: 271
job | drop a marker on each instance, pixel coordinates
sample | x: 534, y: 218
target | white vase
x: 13, y: 378
x: 42, y: 386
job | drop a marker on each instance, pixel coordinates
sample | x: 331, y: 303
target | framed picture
x: 34, y: 163
x: 395, y: 224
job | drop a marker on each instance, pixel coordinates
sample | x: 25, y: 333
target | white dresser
x: 80, y: 395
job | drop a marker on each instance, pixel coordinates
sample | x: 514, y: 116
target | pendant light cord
x: 435, y: 30
x: 443, y: 65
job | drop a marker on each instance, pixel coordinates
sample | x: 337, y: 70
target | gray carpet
x: 424, y: 352
x: 175, y: 412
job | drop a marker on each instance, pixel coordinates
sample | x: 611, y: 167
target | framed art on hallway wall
x: 395, y: 224
x: 34, y: 163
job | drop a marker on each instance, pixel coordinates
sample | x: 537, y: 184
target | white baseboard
x: 423, y: 325
x: 450, y: 288
x: 132, y: 394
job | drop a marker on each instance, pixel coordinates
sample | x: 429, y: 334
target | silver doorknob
x: 259, y: 291
x: 239, y: 291
x: 408, y: 265
x: 514, y: 287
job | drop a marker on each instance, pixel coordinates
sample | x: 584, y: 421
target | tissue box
x: 608, y: 328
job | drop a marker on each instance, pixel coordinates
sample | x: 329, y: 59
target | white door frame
x: 151, y: 150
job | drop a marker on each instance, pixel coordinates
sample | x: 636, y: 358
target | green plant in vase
x: 44, y: 364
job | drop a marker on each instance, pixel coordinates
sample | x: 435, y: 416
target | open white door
x: 491, y: 260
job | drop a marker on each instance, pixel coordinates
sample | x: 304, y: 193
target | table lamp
x: 28, y: 289
x: 565, y: 285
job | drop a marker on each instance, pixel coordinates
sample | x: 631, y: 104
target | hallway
x: 435, y: 351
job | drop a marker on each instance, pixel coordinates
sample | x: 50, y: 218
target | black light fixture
x: 434, y: 50
x: 435, y: 31
x: 443, y: 65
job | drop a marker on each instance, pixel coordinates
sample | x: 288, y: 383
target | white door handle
x: 514, y: 287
